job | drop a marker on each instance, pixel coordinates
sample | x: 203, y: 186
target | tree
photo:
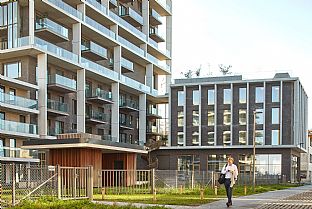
x: 190, y: 73
x: 225, y: 70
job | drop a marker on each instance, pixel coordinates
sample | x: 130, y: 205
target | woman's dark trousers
x: 228, y: 189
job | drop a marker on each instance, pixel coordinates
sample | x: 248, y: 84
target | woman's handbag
x: 221, y: 179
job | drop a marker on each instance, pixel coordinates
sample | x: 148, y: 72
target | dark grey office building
x: 212, y: 118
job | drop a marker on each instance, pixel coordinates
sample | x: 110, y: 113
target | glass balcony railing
x: 154, y: 92
x: 95, y: 115
x: 98, y: 6
x: 93, y: 47
x: 155, y: 15
x: 23, y: 128
x: 18, y: 101
x: 152, y: 129
x: 92, y: 23
x: 61, y: 80
x: 58, y: 106
x: 58, y: 51
x: 134, y: 84
x: 109, y: 138
x: 164, y: 5
x: 127, y: 11
x: 97, y: 92
x: 153, y: 111
x: 67, y: 8
x: 45, y: 23
x: 13, y: 152
x: 126, y: 123
x: 99, y: 69
x: 126, y: 64
x: 157, y: 62
x: 114, y: 2
x: 131, y: 46
x: 128, y: 103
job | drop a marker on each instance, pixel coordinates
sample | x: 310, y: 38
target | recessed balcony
x: 56, y: 108
x: 126, y: 1
x: 50, y: 30
x: 126, y: 66
x: 93, y: 51
x: 155, y: 18
x: 17, y: 129
x: 155, y: 35
x: 61, y: 84
x: 126, y: 124
x: 152, y: 130
x: 97, y: 117
x: 100, y: 96
x: 113, y: 4
x: 131, y: 16
x: 18, y: 104
x: 18, y: 154
x: 153, y: 113
x: 128, y: 105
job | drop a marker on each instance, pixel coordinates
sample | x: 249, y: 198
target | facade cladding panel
x: 273, y: 99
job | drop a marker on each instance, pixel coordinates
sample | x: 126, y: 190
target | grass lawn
x: 188, y: 197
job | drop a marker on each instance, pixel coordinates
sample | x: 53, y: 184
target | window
x: 226, y: 138
x: 74, y: 128
x: 195, y: 118
x: 188, y: 163
x: 259, y: 137
x: 275, y: 115
x: 180, y: 139
x: 268, y: 164
x: 22, y: 119
x: 210, y: 138
x: 100, y: 132
x: 61, y: 99
x: 123, y: 137
x: 216, y: 162
x: 195, y: 138
x: 59, y: 127
x: 259, y: 116
x: 226, y: 117
x: 275, y: 93
x: 196, y: 97
x: 180, y: 119
x: 242, y: 95
x: 181, y: 98
x: 211, y: 118
x: 259, y: 95
x: 227, y: 96
x: 275, y: 137
x: 13, y: 70
x: 211, y: 97
x: 12, y: 146
x: 2, y: 116
x: 74, y: 106
x: 310, y: 158
x: 242, y: 116
x: 242, y: 138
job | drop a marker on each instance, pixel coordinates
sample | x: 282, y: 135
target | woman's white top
x: 230, y: 171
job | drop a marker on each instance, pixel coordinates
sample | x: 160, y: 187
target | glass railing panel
x: 152, y: 129
x: 154, y: 92
x: 100, y: 27
x: 98, y: 6
x: 135, y: 15
x: 18, y: 101
x: 45, y: 23
x: 155, y: 15
x: 98, y: 116
x: 131, y: 46
x: 164, y: 5
x: 67, y: 8
x: 152, y: 42
x: 109, y: 138
x: 61, y: 80
x: 126, y: 123
x: 18, y: 127
x: 129, y: 103
x: 97, y: 92
x: 23, y: 41
x: 127, y: 64
x: 18, y: 153
x: 156, y: 61
x: 153, y: 111
x: 99, y: 69
x: 134, y: 84
x: 58, y: 106
x: 98, y: 49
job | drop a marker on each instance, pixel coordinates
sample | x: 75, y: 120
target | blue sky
x: 257, y: 37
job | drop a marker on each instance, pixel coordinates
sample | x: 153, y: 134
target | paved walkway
x: 293, y: 198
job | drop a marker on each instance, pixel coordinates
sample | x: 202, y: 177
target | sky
x: 257, y: 37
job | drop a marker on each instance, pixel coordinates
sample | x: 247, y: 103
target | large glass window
x: 180, y: 118
x: 242, y: 95
x: 275, y: 93
x: 211, y: 97
x: 189, y: 163
x: 196, y: 97
x: 216, y: 162
x: 226, y: 117
x: 195, y: 118
x: 226, y: 138
x: 195, y: 138
x: 275, y: 115
x: 181, y: 98
x: 259, y: 137
x: 227, y: 96
x: 13, y: 70
x: 275, y: 137
x: 211, y: 118
x: 242, y: 116
x: 259, y: 116
x: 259, y: 95
x: 180, y: 138
x: 210, y: 138
x: 268, y: 164
x: 59, y: 127
x: 242, y: 138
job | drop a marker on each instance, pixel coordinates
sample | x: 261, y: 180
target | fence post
x: 192, y: 183
x: 176, y: 178
x: 59, y: 183
x: 13, y: 184
x: 90, y: 183
x: 103, y: 193
x: 202, y: 193
x: 212, y: 179
x: 216, y: 190
x: 245, y: 190
x: 75, y: 182
x: 153, y: 180
x: 154, y: 195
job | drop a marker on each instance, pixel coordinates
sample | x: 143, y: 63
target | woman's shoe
x: 227, y: 204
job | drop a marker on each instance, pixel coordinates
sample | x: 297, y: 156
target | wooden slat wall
x: 129, y: 160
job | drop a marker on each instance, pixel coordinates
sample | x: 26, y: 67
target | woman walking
x: 231, y: 172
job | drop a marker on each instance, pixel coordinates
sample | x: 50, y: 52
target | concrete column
x: 144, y: 47
x: 149, y: 76
x: 81, y: 101
x: 76, y: 42
x: 168, y: 82
x: 169, y: 33
x: 115, y: 112
x: 142, y: 119
x: 31, y: 21
x: 42, y: 60
x: 145, y: 14
x: 155, y: 80
x: 117, y: 59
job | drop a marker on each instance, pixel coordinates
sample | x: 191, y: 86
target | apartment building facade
x: 212, y: 118
x: 80, y: 80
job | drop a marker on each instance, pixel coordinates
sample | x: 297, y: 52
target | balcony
x: 126, y: 124
x: 152, y: 130
x: 67, y: 9
x: 56, y: 108
x: 93, y: 51
x: 109, y: 138
x: 12, y: 128
x: 126, y: 1
x: 153, y: 113
x: 99, y: 96
x: 61, y: 84
x: 128, y: 105
x: 113, y: 4
x: 134, y: 84
x: 18, y: 104
x: 131, y: 16
x: 155, y: 18
x: 154, y: 35
x: 97, y: 117
x: 18, y: 154
x: 126, y: 66
x: 50, y: 30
